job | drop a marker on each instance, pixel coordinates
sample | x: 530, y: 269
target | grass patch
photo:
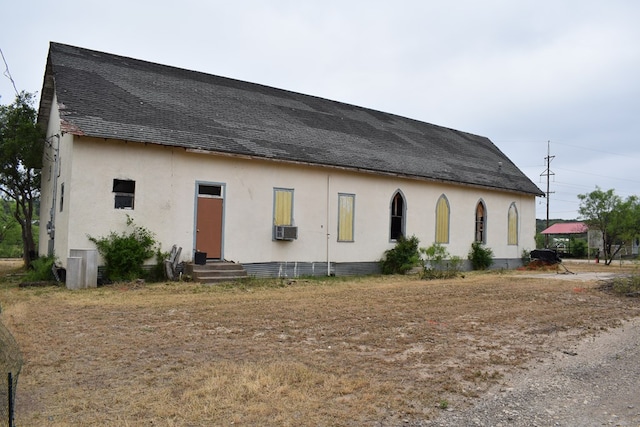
x: 629, y: 286
x: 310, y: 351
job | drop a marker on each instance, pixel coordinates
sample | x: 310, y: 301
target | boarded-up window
x: 124, y: 192
x: 283, y: 206
x: 442, y: 220
x: 513, y: 225
x: 346, y: 205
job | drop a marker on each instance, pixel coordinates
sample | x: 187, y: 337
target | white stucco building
x: 274, y: 180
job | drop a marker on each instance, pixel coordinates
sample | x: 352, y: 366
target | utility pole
x: 548, y: 173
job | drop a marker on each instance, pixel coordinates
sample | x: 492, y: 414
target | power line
x: 601, y: 176
x: 7, y: 73
x: 580, y: 147
x: 591, y: 149
x: 566, y: 201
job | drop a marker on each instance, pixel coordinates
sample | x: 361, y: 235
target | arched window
x: 398, y: 210
x: 512, y: 219
x: 481, y: 222
x: 442, y: 220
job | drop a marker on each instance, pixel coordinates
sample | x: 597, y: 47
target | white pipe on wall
x: 327, y: 226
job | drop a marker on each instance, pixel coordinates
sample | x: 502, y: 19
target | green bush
x: 124, y: 254
x: 41, y: 270
x: 438, y: 264
x: 629, y: 286
x: 579, y: 248
x: 402, y: 258
x: 481, y: 257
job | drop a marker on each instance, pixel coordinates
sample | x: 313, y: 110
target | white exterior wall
x: 56, y: 173
x: 165, y: 199
x: 46, y: 194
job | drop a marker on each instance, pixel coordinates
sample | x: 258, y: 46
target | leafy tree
x: 10, y: 236
x: 617, y: 219
x: 21, y: 147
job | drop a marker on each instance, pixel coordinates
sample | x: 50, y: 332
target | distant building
x: 562, y: 232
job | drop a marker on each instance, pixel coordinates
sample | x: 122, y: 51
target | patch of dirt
x: 372, y: 351
x: 594, y: 383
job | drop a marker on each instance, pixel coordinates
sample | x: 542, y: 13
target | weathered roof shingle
x: 108, y: 96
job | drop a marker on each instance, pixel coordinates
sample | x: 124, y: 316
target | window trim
x: 402, y: 216
x: 447, y: 220
x: 483, y: 222
x: 124, y: 195
x: 202, y: 191
x: 352, y: 197
x: 513, y: 219
x: 276, y: 190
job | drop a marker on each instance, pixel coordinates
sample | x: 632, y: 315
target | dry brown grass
x: 366, y: 351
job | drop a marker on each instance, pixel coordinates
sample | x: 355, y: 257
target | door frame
x: 223, y: 193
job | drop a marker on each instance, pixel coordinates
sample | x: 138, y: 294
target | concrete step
x: 216, y: 272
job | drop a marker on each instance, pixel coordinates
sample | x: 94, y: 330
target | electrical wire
x: 7, y: 73
x: 590, y: 149
x: 599, y: 175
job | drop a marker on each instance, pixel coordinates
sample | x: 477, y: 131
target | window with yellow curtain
x: 442, y: 220
x: 282, y: 206
x: 346, y: 205
x: 513, y: 225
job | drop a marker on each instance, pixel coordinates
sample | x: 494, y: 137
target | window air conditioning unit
x: 286, y: 232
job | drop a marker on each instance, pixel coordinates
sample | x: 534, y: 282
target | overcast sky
x: 520, y: 72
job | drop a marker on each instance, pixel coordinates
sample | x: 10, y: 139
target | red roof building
x: 567, y: 228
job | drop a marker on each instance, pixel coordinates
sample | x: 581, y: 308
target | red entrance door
x: 209, y: 227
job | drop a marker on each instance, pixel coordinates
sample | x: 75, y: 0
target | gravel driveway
x: 593, y: 383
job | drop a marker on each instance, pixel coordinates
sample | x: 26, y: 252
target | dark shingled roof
x: 108, y: 96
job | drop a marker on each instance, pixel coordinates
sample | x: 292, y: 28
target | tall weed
x: 41, y: 270
x: 438, y: 263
